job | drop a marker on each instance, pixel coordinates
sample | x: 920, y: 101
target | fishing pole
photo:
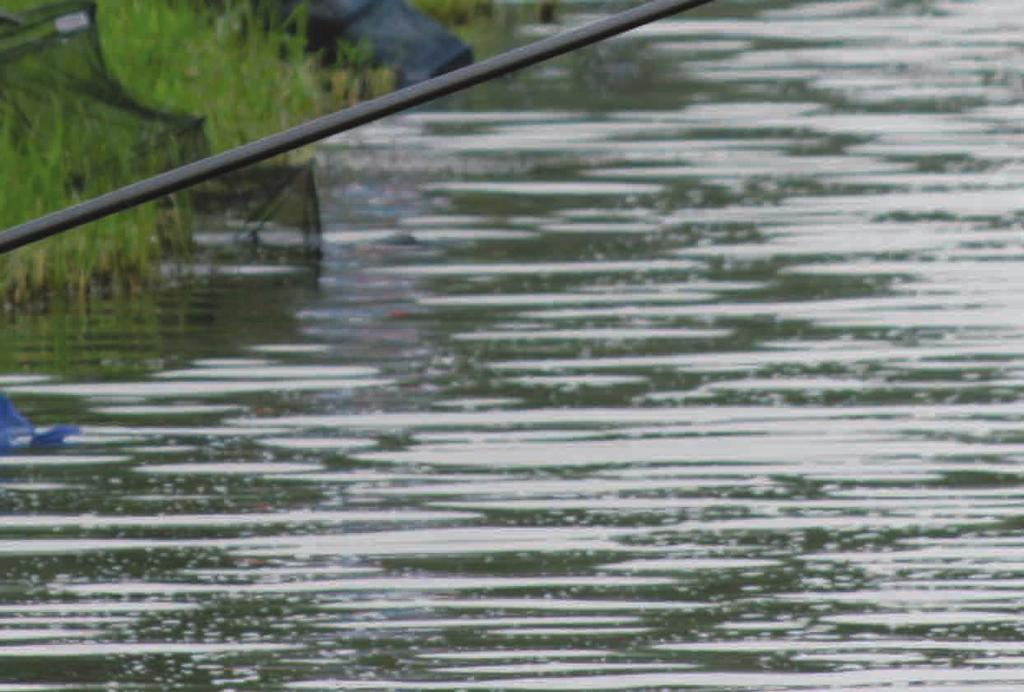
x: 320, y: 128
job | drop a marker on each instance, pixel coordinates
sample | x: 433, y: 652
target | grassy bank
x: 220, y: 63
x: 223, y: 65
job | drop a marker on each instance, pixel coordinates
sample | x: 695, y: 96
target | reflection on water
x: 693, y: 361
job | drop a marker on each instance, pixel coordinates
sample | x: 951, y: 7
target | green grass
x: 221, y: 63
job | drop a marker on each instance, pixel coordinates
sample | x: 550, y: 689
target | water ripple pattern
x: 694, y: 361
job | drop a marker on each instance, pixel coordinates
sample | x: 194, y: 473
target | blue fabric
x: 415, y: 45
x: 17, y: 431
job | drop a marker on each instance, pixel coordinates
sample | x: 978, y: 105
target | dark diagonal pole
x: 341, y: 121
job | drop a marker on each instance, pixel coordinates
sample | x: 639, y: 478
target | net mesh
x: 264, y: 206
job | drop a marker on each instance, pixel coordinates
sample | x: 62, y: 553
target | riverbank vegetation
x: 229, y: 73
x: 243, y: 75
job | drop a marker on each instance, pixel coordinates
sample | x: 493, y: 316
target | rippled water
x: 691, y: 361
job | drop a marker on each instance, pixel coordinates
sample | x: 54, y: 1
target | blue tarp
x: 17, y: 431
x: 400, y: 35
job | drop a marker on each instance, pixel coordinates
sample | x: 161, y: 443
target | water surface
x: 690, y: 361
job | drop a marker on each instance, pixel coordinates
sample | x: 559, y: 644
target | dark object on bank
x: 415, y: 45
x: 547, y: 11
x: 17, y: 431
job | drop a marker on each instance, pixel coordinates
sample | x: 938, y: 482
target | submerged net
x: 273, y: 205
x: 69, y: 130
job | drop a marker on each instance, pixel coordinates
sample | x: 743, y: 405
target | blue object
x: 401, y: 36
x: 17, y: 431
